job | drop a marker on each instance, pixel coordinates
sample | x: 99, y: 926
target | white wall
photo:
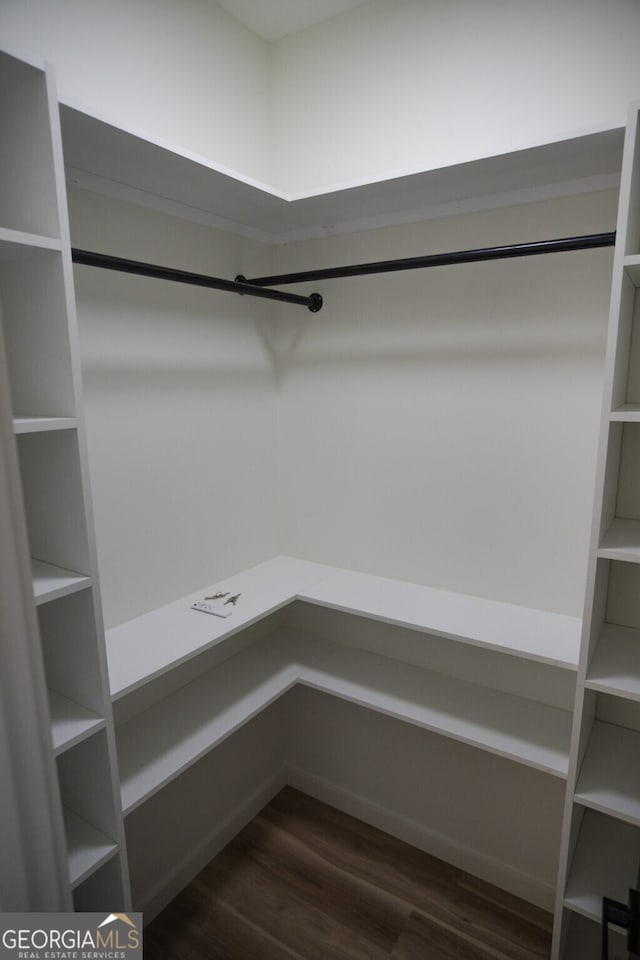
x: 440, y: 426
x: 390, y: 88
x: 488, y: 816
x: 387, y: 88
x: 180, y: 405
x: 180, y: 71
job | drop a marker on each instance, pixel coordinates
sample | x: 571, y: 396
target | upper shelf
x: 105, y: 158
x: 150, y: 645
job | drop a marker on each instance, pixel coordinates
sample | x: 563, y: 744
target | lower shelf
x: 87, y: 848
x: 156, y: 746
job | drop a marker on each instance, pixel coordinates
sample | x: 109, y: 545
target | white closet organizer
x: 38, y: 329
x: 601, y: 850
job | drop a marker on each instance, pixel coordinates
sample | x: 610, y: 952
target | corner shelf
x: 159, y: 743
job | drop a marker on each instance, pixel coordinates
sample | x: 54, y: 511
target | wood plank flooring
x: 304, y: 881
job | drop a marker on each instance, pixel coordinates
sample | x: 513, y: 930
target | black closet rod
x: 441, y: 259
x: 312, y: 302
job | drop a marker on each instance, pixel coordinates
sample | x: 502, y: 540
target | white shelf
x: 17, y: 245
x: 609, y: 780
x: 615, y: 667
x: 627, y: 413
x: 51, y: 582
x: 158, y: 745
x: 621, y: 541
x: 605, y: 864
x: 87, y: 848
x: 43, y: 424
x: 70, y: 722
x: 144, y: 648
x: 512, y: 727
x: 101, y: 156
x: 150, y: 645
x: 632, y: 268
x: 523, y: 632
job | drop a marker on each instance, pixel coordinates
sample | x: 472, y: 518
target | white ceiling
x: 274, y: 19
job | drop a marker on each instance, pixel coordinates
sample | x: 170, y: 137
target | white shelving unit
x: 601, y: 837
x: 168, y: 729
x: 39, y: 338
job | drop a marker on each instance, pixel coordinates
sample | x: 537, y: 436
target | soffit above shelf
x: 102, y: 157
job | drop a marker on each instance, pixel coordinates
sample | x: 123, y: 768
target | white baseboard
x: 502, y: 875
x: 170, y: 885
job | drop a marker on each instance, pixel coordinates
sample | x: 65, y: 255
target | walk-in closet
x: 320, y: 441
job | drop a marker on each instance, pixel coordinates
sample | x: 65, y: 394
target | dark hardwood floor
x: 305, y: 882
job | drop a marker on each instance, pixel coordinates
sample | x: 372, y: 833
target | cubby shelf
x: 43, y: 424
x: 632, y: 268
x: 609, y: 779
x: 87, y: 848
x: 615, y: 668
x: 626, y: 413
x: 51, y: 582
x: 621, y: 541
x: 606, y: 858
x: 70, y: 722
x: 17, y: 245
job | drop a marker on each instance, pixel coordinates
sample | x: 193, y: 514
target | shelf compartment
x: 71, y: 723
x: 28, y: 196
x: 34, y: 309
x: 70, y: 649
x: 43, y: 424
x: 621, y: 541
x: 605, y: 864
x: 615, y: 668
x: 632, y: 268
x: 522, y: 730
x: 609, y: 780
x: 54, y: 498
x: 583, y: 941
x: 102, y: 890
x: 156, y: 746
x: 87, y: 848
x: 51, y: 582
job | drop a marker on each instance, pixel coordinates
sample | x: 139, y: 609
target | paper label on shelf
x: 216, y: 608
